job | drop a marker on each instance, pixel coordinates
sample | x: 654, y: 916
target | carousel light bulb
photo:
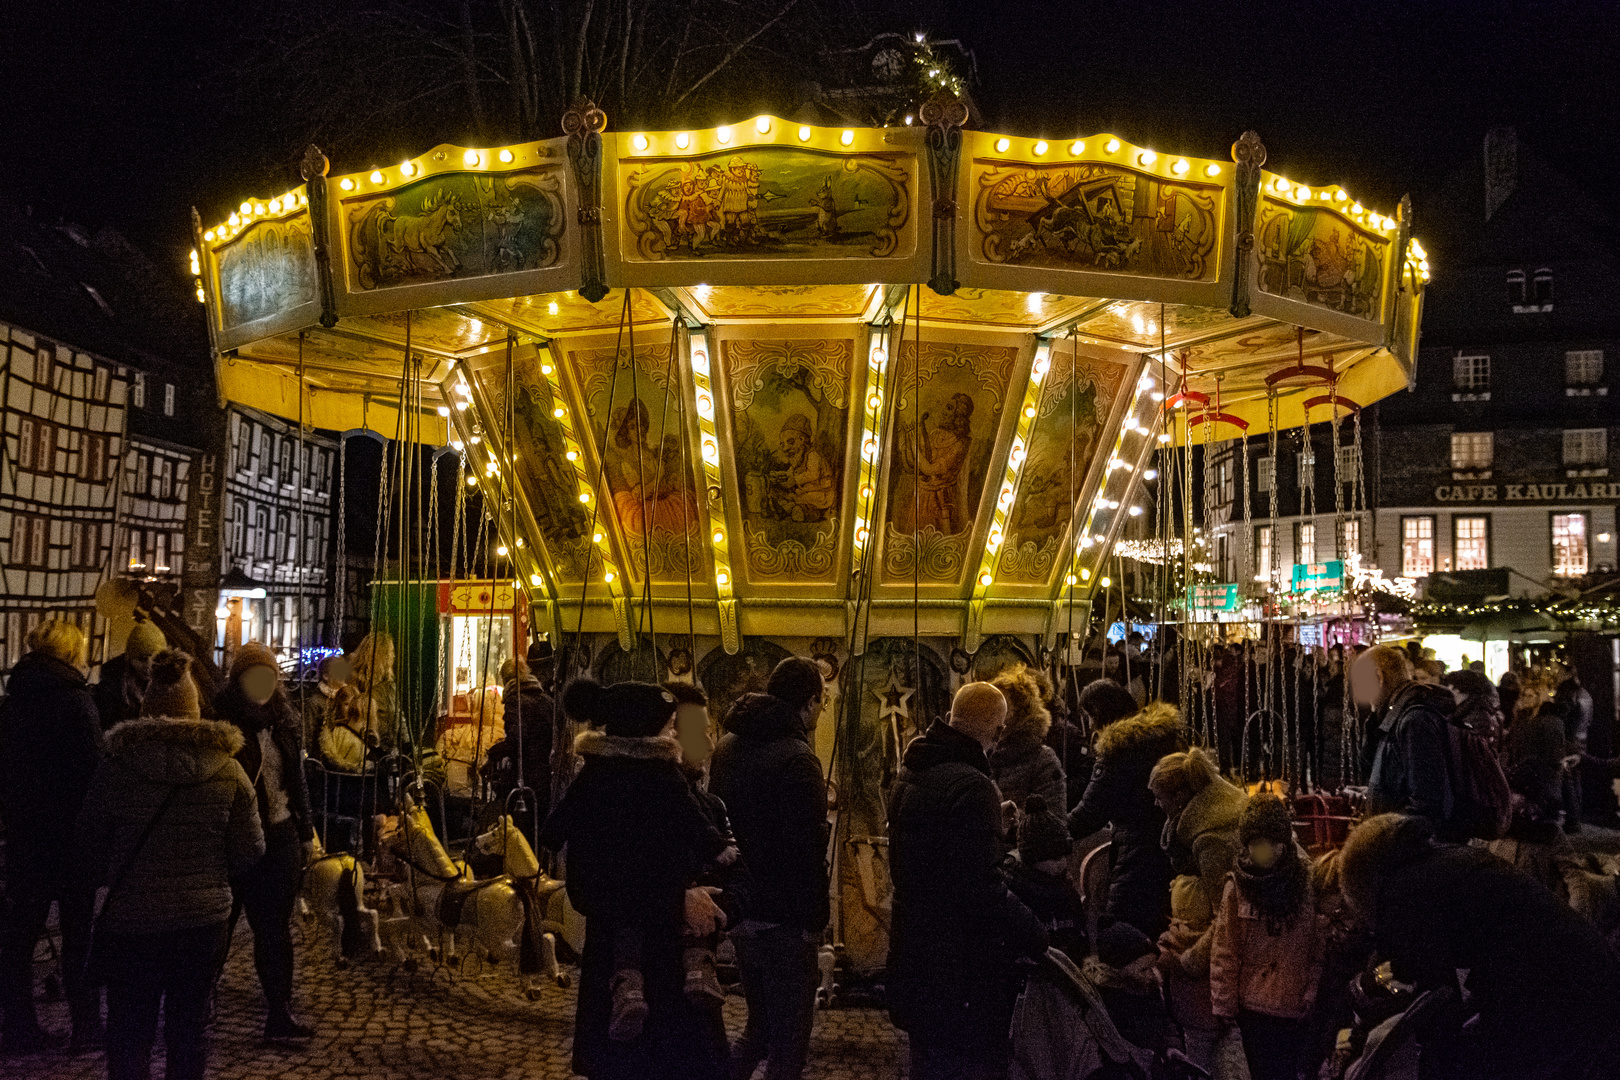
x: 545, y: 369
x: 1077, y: 147
x: 584, y: 496
x: 534, y: 579
x: 1086, y: 541
x: 879, y: 355
x: 866, y: 491
x: 1105, y: 582
x: 506, y: 156
x: 209, y: 235
x: 444, y: 410
x: 847, y: 138
x: 1151, y: 474
x: 596, y: 538
x: 607, y: 576
x: 472, y: 481
x: 1212, y: 170
x: 710, y: 451
x: 233, y: 220
x: 462, y: 404
x: 682, y: 140
x: 1071, y: 580
x: 719, y: 537
x: 700, y: 361
x: 376, y: 176
x: 869, y: 447
x: 1340, y: 196
x: 705, y: 406
x: 572, y: 455
x: 1002, y: 145
x: 1040, y: 147
x: 1281, y: 185
x: 1029, y: 412
x: 804, y: 133
x: 275, y: 206
x: 471, y: 158
x: 874, y: 400
x: 640, y: 142
x: 995, y: 537
x: 457, y: 445
x: 476, y: 439
x: 407, y: 168
x: 1017, y: 454
x: 1164, y: 436
x: 723, y: 134
x: 1113, y: 145
x: 1146, y: 157
x: 722, y: 578
x: 559, y: 412
x: 1302, y: 192
x: 1180, y: 167
x: 986, y: 578
x: 246, y: 208
x: 1136, y: 511
x: 222, y: 612
x: 501, y: 551
x: 860, y: 535
x: 1157, y: 395
x: 1042, y: 366
x: 763, y: 125
x: 1006, y: 494
x: 1085, y: 575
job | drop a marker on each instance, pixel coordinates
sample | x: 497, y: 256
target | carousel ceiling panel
x: 335, y: 402
x: 999, y: 308
x: 954, y: 411
x: 723, y: 303
x: 1139, y: 325
x: 551, y: 314
x: 337, y: 357
x: 790, y: 426
x: 1073, y: 418
x: 768, y: 201
x: 445, y: 331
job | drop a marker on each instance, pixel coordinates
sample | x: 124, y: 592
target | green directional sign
x: 1319, y: 577
x: 1214, y: 597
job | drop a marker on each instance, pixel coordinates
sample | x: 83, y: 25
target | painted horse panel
x: 1313, y: 255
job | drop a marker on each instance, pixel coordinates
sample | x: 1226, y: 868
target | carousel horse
x: 334, y: 890
x: 440, y: 902
x: 537, y: 948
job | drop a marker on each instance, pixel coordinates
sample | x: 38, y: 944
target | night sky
x: 109, y: 115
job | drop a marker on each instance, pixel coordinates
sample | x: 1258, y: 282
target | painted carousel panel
x: 452, y: 227
x: 1077, y: 397
x: 1095, y: 217
x: 946, y: 424
x: 768, y: 202
x: 634, y: 412
x: 783, y: 301
x: 1314, y: 255
x: 1141, y: 324
x: 790, y: 404
x: 267, y: 270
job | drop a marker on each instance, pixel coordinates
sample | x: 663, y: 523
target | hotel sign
x: 1578, y: 491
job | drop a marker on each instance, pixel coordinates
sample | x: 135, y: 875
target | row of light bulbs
x: 1302, y: 194
x: 252, y: 210
x: 1145, y: 158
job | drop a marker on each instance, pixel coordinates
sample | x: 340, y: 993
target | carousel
x: 885, y: 397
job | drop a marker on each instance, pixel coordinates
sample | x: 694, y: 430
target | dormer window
x: 1515, y: 287
x: 1542, y: 285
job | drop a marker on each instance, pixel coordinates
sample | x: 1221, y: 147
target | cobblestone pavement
x: 378, y: 1024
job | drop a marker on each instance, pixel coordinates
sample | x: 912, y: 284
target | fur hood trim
x: 592, y: 743
x: 1155, y: 724
x: 1112, y: 978
x: 198, y: 736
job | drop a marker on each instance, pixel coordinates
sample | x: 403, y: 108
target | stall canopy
x: 843, y: 376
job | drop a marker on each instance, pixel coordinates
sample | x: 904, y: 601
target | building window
x: 168, y: 399
x: 1307, y: 467
x: 266, y: 456
x: 29, y: 536
x: 1223, y: 487
x: 1262, y: 473
x: 238, y: 529
x: 1305, y: 542
x: 93, y: 458
x: 45, y: 367
x: 1262, y: 550
x: 1569, y: 547
x: 1472, y: 449
x: 26, y: 442
x: 86, y: 546
x: 143, y: 474
x: 1417, y: 546
x: 103, y: 381
x: 1586, y: 446
x: 286, y: 476
x: 1471, y: 542
x: 1542, y: 287
x: 1349, y: 537
x: 261, y: 528
x: 1347, y: 463
x: 160, y: 564
x: 36, y: 445
x: 1471, y: 373
x: 137, y: 390
x: 1515, y: 287
x: 1583, y: 367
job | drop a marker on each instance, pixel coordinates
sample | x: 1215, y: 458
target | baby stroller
x: 1062, y: 1031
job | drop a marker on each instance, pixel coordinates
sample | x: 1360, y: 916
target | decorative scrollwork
x: 584, y: 124
x: 1250, y: 154
x: 934, y: 557
x: 943, y: 115
x: 790, y: 558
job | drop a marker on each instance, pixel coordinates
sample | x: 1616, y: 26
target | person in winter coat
x: 1202, y: 812
x: 342, y: 740
x: 372, y: 664
x: 1266, y: 959
x: 956, y: 929
x: 530, y: 715
x: 770, y: 780
x: 1021, y: 763
x: 1184, y: 967
x: 1122, y: 970
x: 1347, y: 949
x: 1038, y: 874
x: 319, y: 703
x: 1409, y: 743
x: 1543, y: 985
x: 123, y: 679
x: 170, y: 819
x: 634, y: 837
x: 271, y: 754
x: 50, y: 745
x: 1118, y: 794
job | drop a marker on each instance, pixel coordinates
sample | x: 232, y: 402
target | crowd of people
x: 1220, y: 946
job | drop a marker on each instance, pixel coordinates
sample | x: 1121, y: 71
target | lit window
x: 1305, y: 542
x: 1569, y: 549
x: 137, y: 392
x: 1583, y: 367
x: 1307, y: 467
x: 1262, y: 550
x: 1471, y: 372
x: 1348, y: 463
x: 1263, y: 473
x: 1586, y: 446
x: 168, y: 399
x: 1471, y: 542
x: 1417, y: 546
x: 1349, y: 537
x: 1472, y: 449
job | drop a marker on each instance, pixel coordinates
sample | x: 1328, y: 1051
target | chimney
x: 1501, y: 167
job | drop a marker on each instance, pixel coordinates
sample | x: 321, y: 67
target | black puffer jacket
x: 529, y: 713
x: 957, y: 928
x: 770, y: 781
x: 636, y: 836
x: 1127, y: 750
x: 50, y: 745
x: 1409, y: 772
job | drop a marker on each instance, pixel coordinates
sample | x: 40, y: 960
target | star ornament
x: 894, y: 698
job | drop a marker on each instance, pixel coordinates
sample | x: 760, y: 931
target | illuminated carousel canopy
x: 824, y: 381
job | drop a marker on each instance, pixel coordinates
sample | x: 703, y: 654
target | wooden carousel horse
x: 334, y: 891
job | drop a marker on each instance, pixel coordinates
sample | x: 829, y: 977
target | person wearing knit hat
x: 123, y: 678
x: 169, y: 820
x: 272, y: 755
x: 1038, y: 874
x: 636, y: 837
x: 1122, y: 969
x: 1267, y: 952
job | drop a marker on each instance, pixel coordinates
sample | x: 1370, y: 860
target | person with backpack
x: 1423, y: 762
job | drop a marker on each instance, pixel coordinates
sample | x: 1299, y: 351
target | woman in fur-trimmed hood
x: 1118, y: 794
x: 636, y: 839
x: 1021, y: 763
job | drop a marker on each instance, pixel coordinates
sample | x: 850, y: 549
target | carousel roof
x: 709, y: 356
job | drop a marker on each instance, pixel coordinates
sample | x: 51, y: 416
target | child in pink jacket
x: 1266, y: 957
